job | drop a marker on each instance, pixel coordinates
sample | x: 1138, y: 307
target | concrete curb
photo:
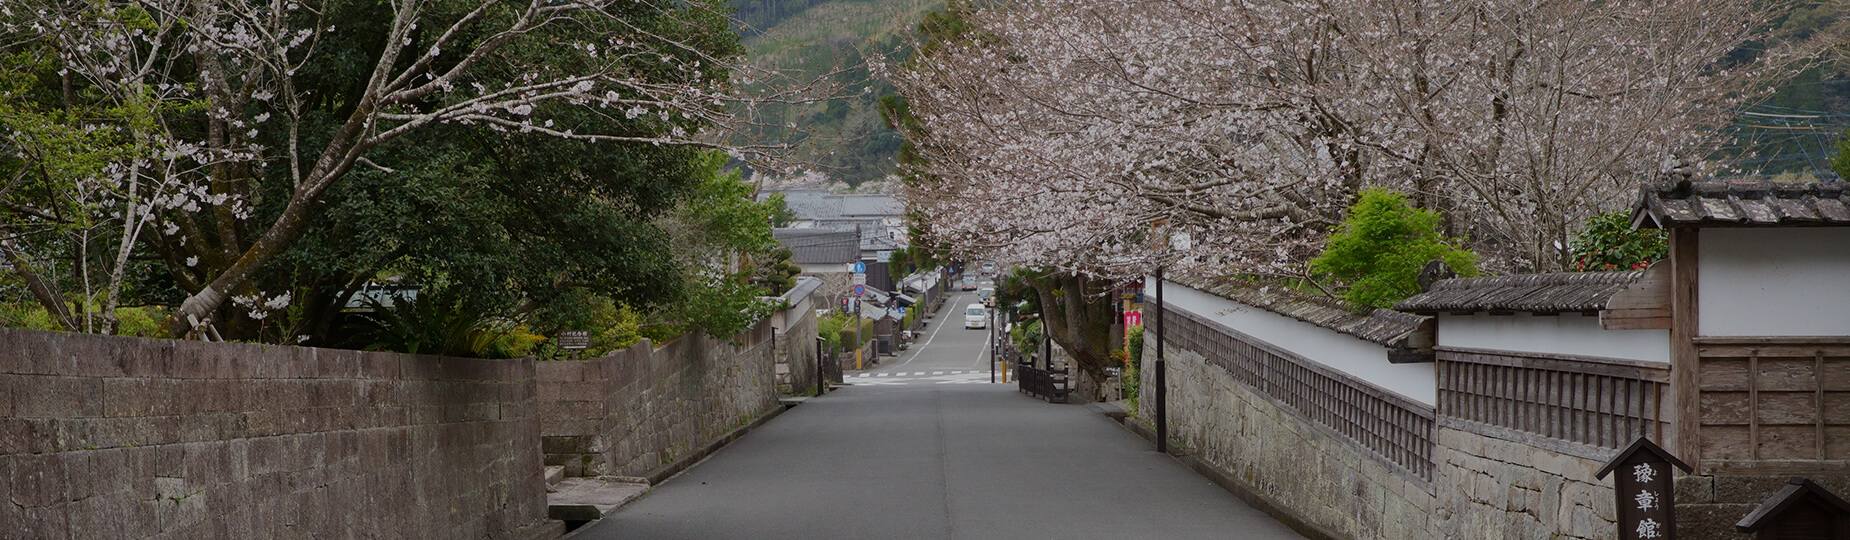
x: 1226, y: 480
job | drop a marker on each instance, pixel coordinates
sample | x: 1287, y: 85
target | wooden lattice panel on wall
x: 1397, y: 430
x: 1574, y: 405
x: 1770, y: 404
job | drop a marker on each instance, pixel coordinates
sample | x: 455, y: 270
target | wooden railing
x: 1573, y: 405
x: 1391, y: 427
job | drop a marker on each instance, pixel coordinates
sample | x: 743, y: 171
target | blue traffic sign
x: 860, y: 268
x: 900, y: 311
x: 860, y: 290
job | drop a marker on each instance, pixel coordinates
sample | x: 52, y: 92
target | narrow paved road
x: 919, y: 455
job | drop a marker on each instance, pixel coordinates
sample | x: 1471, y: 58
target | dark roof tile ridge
x: 1620, y: 277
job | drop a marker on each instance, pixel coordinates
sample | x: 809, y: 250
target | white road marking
x: 934, y: 335
x: 961, y: 378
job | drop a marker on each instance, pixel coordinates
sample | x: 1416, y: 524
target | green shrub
x: 28, y: 315
x: 140, y: 321
x: 846, y: 334
x: 147, y: 321
x: 1133, y: 373
x: 1380, y: 248
x: 1610, y: 243
x: 1027, y: 337
x: 829, y: 328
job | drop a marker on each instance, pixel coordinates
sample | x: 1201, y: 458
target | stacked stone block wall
x: 636, y: 410
x: 1493, y: 488
x: 1285, y: 461
x: 796, y: 351
x: 1708, y: 506
x: 113, y: 437
x: 1482, y: 487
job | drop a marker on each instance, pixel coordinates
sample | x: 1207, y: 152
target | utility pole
x: 1162, y: 386
x: 992, y: 345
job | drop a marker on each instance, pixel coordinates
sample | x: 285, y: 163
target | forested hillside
x: 1797, y: 130
x: 847, y: 139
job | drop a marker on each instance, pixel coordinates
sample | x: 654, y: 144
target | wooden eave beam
x: 1645, y: 305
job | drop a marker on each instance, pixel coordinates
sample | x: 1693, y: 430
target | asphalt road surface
x: 909, y: 452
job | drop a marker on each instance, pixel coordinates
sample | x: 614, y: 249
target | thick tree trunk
x: 1077, y: 319
x: 333, y: 163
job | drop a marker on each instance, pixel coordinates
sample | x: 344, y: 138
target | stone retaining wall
x: 636, y: 410
x: 796, y: 355
x: 1517, y: 491
x: 1482, y: 487
x: 114, y: 437
x: 1286, y: 462
x: 1709, y: 505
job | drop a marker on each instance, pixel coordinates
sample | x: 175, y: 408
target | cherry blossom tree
x: 241, y: 70
x: 1103, y: 138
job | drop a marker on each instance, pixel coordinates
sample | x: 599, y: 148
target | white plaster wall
x: 1362, y: 359
x: 1568, y: 333
x: 1774, y: 282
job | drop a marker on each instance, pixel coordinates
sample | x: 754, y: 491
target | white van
x: 976, y: 316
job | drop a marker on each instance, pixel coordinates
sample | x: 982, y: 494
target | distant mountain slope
x: 848, y: 141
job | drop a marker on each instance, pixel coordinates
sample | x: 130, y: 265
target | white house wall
x: 1568, y: 333
x: 1774, y: 282
x: 1360, y: 358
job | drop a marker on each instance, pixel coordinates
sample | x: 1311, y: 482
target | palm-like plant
x: 438, y: 323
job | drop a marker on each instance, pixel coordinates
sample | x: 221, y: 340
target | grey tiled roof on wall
x: 1381, y: 326
x: 870, y: 205
x: 1532, y: 293
x: 820, y: 246
x: 1683, y: 203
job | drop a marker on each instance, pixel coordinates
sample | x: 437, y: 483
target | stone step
x: 587, y: 499
x: 554, y: 474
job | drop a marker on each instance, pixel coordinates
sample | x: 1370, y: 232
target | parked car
x: 969, y: 283
x: 976, y: 316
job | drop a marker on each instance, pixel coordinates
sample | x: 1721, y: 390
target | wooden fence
x: 1574, y: 405
x: 1391, y: 427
